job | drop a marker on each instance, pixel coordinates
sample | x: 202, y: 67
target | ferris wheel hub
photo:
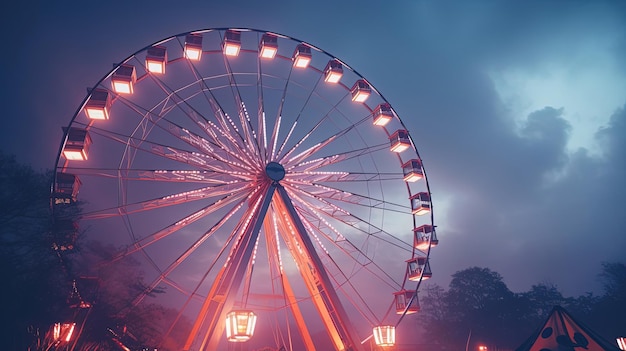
x: 275, y: 171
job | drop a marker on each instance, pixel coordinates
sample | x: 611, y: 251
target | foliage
x: 44, y: 285
x: 28, y: 266
x: 479, y: 305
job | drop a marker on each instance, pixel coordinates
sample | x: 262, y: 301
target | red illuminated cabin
x: 382, y: 114
x: 412, y: 170
x: 232, y: 43
x: 400, y: 140
x: 66, y: 188
x: 403, y: 299
x: 156, y: 57
x: 333, y: 71
x: 425, y: 237
x: 420, y: 203
x: 268, y: 47
x: 124, y: 79
x: 77, y: 144
x: 360, y: 91
x: 193, y: 46
x: 418, y: 268
x: 302, y: 56
x: 98, y: 105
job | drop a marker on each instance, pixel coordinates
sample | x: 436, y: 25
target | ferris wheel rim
x: 134, y: 55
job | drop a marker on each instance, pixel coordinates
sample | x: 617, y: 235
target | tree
x: 541, y: 299
x: 31, y: 272
x: 607, y: 315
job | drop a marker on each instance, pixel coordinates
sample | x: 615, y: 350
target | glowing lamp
x: 268, y: 46
x: 425, y: 237
x: 385, y: 335
x: 63, y: 331
x: 400, y: 140
x: 156, y: 57
x: 193, y: 46
x: 418, y: 268
x: 240, y: 325
x: 412, y: 170
x: 66, y: 187
x: 333, y: 71
x: 360, y: 91
x: 404, y: 301
x: 98, y: 105
x: 382, y: 115
x: 420, y: 204
x: 482, y: 348
x: 123, y: 79
x: 302, y: 56
x: 232, y: 43
x: 77, y: 144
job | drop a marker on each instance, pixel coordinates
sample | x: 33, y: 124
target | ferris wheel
x: 260, y: 180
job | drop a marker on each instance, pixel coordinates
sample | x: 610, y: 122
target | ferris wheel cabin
x: 268, y: 46
x: 98, y: 105
x: 403, y: 302
x: 400, y: 140
x: 382, y: 114
x: 193, y: 46
x: 420, y: 203
x: 418, y: 269
x: 77, y: 144
x: 124, y: 79
x: 156, y: 57
x: 425, y: 237
x: 412, y: 170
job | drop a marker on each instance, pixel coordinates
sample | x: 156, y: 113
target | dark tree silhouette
x: 32, y: 274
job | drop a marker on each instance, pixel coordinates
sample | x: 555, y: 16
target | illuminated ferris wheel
x: 259, y: 179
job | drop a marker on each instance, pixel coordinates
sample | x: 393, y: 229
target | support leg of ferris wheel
x: 292, y: 302
x: 220, y: 300
x: 326, y: 300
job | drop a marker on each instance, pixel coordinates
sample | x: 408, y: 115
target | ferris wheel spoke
x: 179, y: 224
x: 327, y: 210
x: 200, y: 160
x: 249, y: 135
x: 344, y: 177
x: 190, y: 250
x: 329, y: 193
x: 168, y: 200
x: 313, y: 164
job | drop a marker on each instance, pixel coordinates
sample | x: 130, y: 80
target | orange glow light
x: 155, y: 66
x: 412, y: 177
x: 231, y: 49
x: 399, y: 146
x: 122, y: 87
x: 421, y: 211
x: 75, y: 154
